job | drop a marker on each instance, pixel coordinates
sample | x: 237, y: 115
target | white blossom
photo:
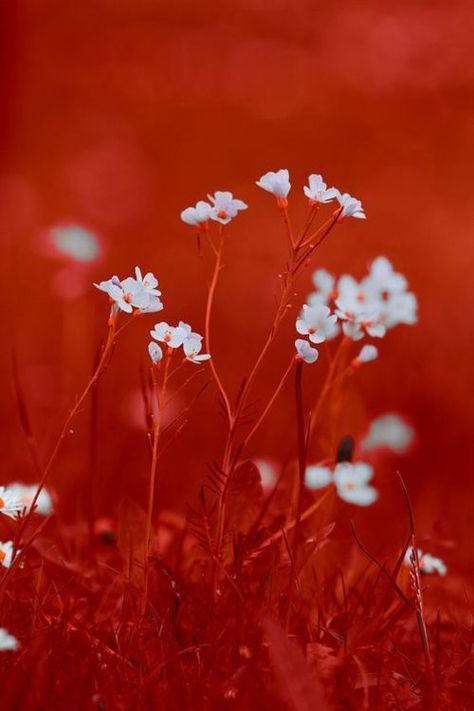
x: 316, y: 322
x: 367, y: 354
x: 277, y: 183
x: 192, y: 349
x: 7, y: 641
x: 305, y: 352
x: 429, y: 564
x: 10, y: 504
x: 351, y: 483
x: 197, y: 216
x: 317, y: 191
x: 317, y: 477
x: 26, y: 493
x: 389, y: 431
x: 172, y: 336
x: 130, y: 293
x: 224, y: 206
x: 155, y: 352
x: 351, y: 207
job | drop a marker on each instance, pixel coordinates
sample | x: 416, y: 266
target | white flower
x: 149, y: 283
x: 278, y: 184
x: 382, y: 278
x: 318, y: 191
x: 107, y: 285
x: 429, y: 564
x: 325, y: 284
x: 351, y: 483
x: 389, y: 431
x: 351, y: 207
x: 192, y: 348
x: 316, y: 477
x: 133, y: 293
x: 25, y: 495
x: 224, y: 206
x: 155, y: 352
x: 316, y: 322
x: 173, y: 336
x: 197, y: 216
x: 268, y: 473
x: 305, y: 352
x: 367, y: 354
x: 6, y: 554
x: 359, y: 309
x: 10, y: 504
x: 7, y: 641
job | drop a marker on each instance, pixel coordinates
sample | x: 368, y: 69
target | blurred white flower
x: 277, y: 183
x: 318, y: 191
x: 76, y: 242
x: 192, y: 349
x: 317, y: 323
x: 173, y: 336
x: 305, y: 352
x: 10, y: 504
x: 155, y: 352
x: 224, y: 206
x: 7, y: 641
x: 197, y: 216
x: 351, y: 207
x: 268, y: 473
x: 367, y: 354
x: 389, y: 431
x: 26, y: 493
x: 429, y: 564
x: 6, y: 554
x: 351, y: 483
x: 317, y: 477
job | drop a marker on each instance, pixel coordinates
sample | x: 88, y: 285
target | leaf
x: 301, y: 689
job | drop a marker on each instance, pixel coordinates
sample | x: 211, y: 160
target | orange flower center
x: 2, y: 503
x: 222, y: 214
x: 3, y: 555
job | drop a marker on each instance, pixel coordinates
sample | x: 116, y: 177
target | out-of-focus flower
x: 192, y: 349
x: 7, y: 641
x: 25, y: 495
x: 351, y: 207
x: 351, y: 483
x: 367, y: 354
x: 173, y: 336
x: 197, y: 216
x: 155, y: 352
x: 389, y: 431
x: 268, y: 473
x: 358, y: 309
x: 317, y: 477
x: 10, y: 504
x: 224, y: 206
x: 305, y: 352
x: 317, y: 323
x: 383, y: 278
x: 317, y: 191
x: 325, y: 284
x: 429, y: 564
x: 277, y: 183
x: 74, y: 242
x: 6, y: 554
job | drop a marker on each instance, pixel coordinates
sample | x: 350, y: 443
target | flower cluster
x: 137, y: 292
x: 351, y: 481
x: 429, y: 564
x: 222, y: 207
x: 174, y: 337
x: 317, y: 192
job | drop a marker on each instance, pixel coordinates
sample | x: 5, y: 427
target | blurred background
x: 117, y: 114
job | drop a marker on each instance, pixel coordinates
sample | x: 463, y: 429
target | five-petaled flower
x: 224, y: 206
x: 10, y: 504
x: 317, y: 323
x: 277, y: 183
x: 305, y: 352
x: 197, y: 216
x: 351, y: 207
x: 317, y: 191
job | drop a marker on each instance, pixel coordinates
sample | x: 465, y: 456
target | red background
x: 117, y: 115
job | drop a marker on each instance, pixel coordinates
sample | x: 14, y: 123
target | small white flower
x: 7, y: 641
x: 192, y: 349
x: 389, y: 431
x: 224, y: 206
x: 351, y: 483
x: 173, y: 336
x: 6, y: 554
x: 316, y: 322
x: 351, y: 207
x: 318, y: 191
x: 383, y: 278
x: 25, y: 495
x: 278, y: 184
x: 268, y: 473
x: 367, y: 354
x: 429, y: 564
x: 10, y: 504
x: 305, y: 352
x: 155, y: 352
x: 317, y: 477
x: 197, y: 216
